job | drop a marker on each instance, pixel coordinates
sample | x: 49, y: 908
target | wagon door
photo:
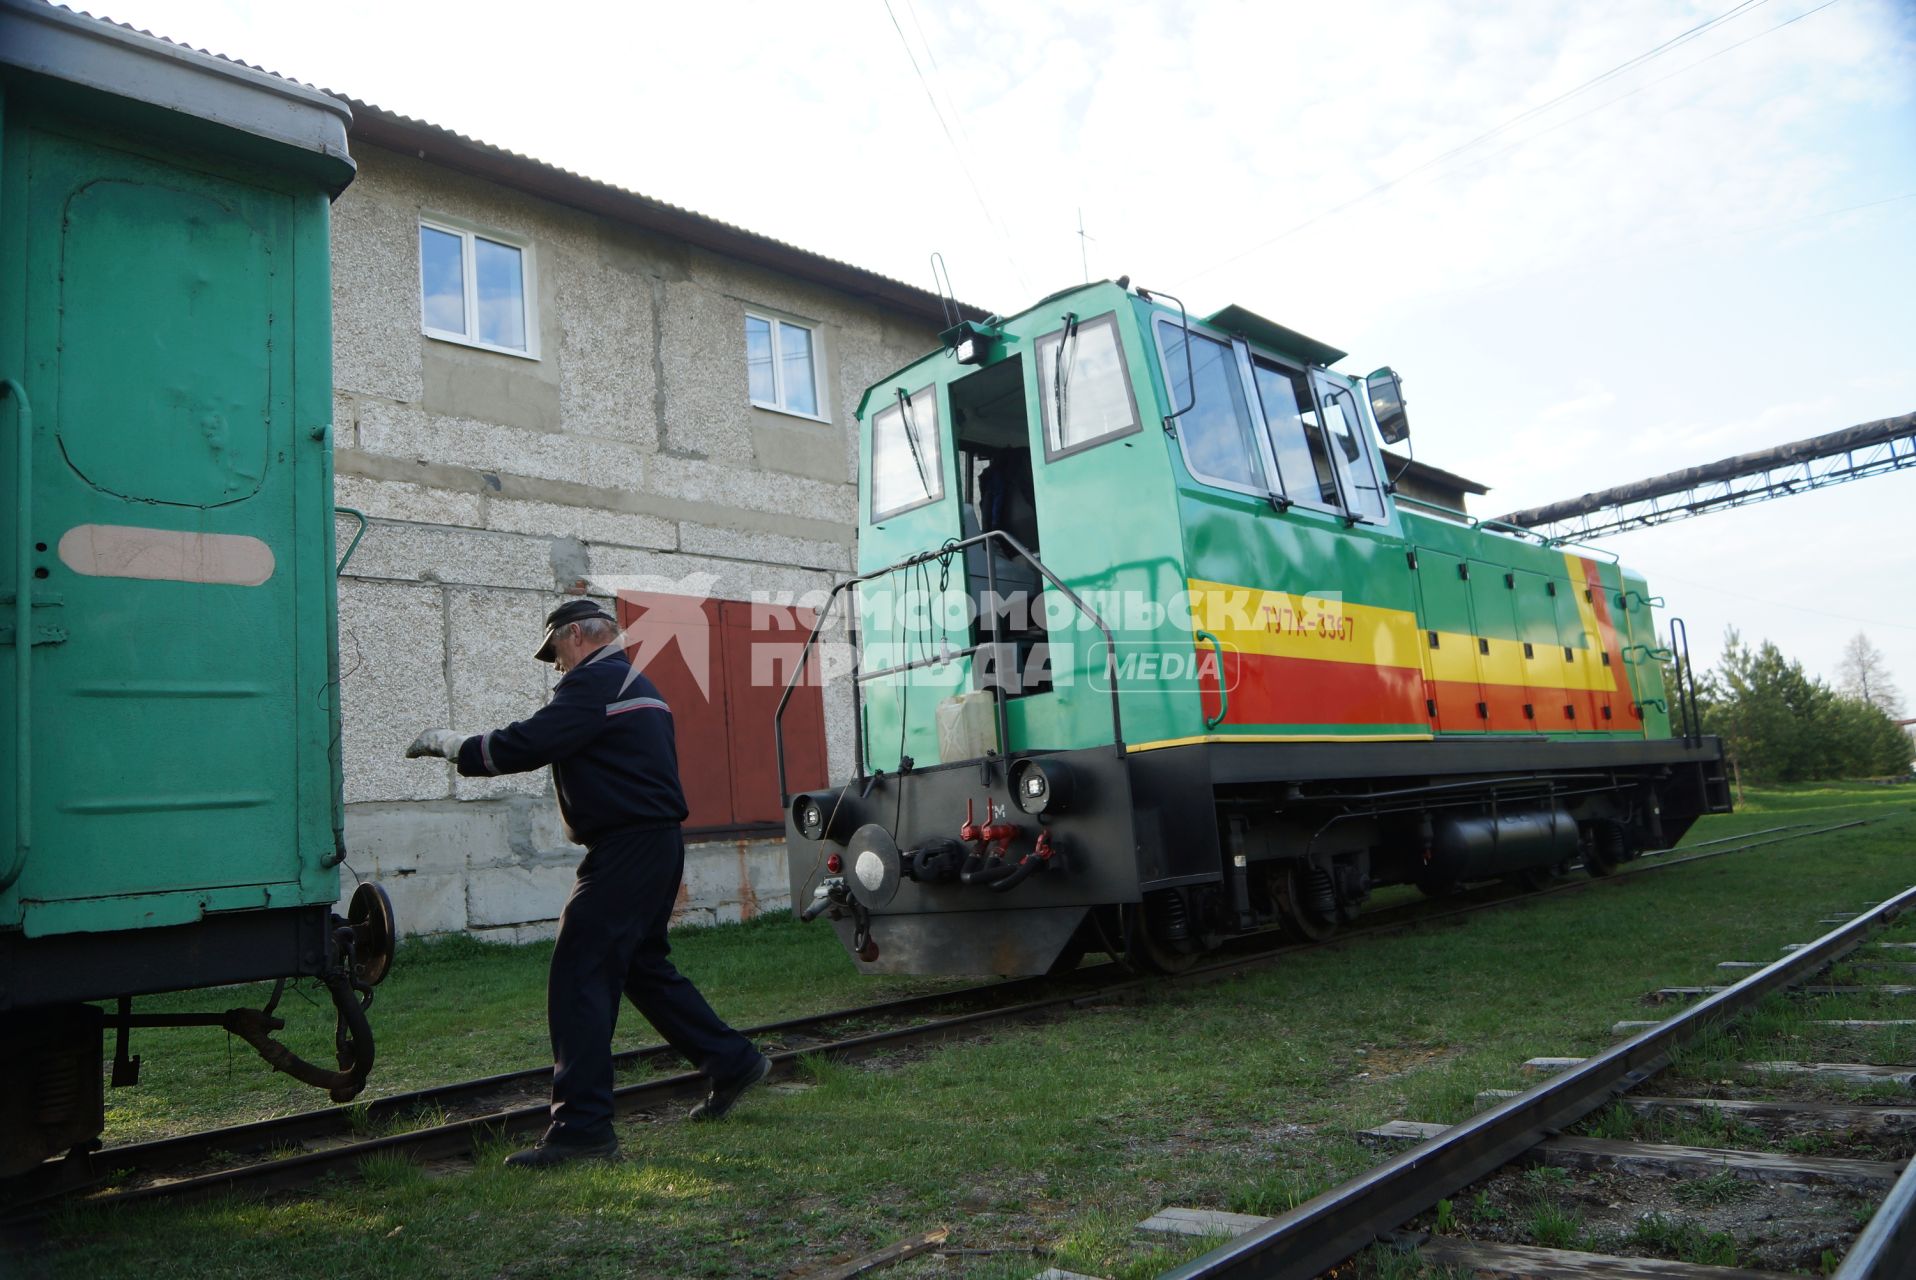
x: 158, y: 357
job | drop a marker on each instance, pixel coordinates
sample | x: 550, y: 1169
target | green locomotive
x: 1147, y: 652
x: 171, y: 799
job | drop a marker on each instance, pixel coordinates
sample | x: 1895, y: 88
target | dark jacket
x: 608, y: 736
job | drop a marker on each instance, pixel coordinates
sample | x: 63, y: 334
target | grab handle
x: 1223, y: 694
x: 352, y: 546
x: 16, y: 860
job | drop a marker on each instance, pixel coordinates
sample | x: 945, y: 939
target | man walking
x: 608, y: 736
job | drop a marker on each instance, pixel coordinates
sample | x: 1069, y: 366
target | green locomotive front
x: 171, y: 797
x: 1146, y: 653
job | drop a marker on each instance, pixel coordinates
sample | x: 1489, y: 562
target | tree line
x: 1780, y: 724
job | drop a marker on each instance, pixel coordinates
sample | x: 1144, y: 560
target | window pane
x: 758, y: 360
x: 795, y: 367
x: 441, y: 280
x: 1216, y: 431
x: 905, y: 455
x: 1303, y: 458
x: 502, y: 294
x: 1365, y: 495
x: 1097, y: 401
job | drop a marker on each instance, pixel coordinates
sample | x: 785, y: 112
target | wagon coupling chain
x: 355, y: 1040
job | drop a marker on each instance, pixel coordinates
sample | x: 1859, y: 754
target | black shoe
x: 546, y: 1153
x: 724, y: 1096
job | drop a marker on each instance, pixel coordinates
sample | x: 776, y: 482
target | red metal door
x: 762, y: 643
x: 675, y: 641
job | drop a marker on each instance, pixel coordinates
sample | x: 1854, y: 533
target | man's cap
x: 566, y: 614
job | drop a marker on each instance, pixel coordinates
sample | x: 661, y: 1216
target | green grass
x: 1044, y: 1143
x: 1684, y: 1241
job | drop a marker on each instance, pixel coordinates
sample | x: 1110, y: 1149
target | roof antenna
x: 947, y: 296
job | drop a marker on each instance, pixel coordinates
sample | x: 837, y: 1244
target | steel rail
x: 1330, y: 1227
x: 1886, y: 1250
x: 445, y: 1140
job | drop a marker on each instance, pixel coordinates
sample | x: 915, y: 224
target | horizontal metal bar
x: 936, y: 660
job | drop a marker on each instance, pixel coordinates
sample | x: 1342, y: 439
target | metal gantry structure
x: 1869, y: 449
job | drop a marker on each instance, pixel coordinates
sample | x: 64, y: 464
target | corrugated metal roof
x: 439, y: 145
x: 1436, y: 475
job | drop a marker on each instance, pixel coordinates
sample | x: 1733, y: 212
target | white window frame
x: 469, y: 272
x: 776, y: 404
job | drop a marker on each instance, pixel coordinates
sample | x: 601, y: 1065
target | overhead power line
x: 1630, y: 93
x: 956, y: 150
x: 1674, y: 42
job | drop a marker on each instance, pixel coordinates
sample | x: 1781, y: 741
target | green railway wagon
x: 1147, y: 652
x: 170, y: 784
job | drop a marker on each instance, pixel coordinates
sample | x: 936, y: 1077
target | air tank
x: 1482, y: 846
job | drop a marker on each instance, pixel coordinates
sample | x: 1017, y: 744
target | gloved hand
x: 437, y: 742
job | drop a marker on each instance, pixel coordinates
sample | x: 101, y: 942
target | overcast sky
x: 1711, y: 251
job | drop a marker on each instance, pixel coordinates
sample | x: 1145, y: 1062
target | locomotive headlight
x: 1042, y: 788
x: 823, y: 815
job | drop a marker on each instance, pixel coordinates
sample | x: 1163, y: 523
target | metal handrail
x: 1686, y: 680
x: 942, y: 553
x: 16, y: 860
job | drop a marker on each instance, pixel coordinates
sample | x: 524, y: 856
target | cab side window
x: 1303, y: 455
x: 1345, y: 432
x: 1216, y: 432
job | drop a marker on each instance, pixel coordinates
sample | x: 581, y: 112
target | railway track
x: 254, y: 1157
x: 1525, y: 1129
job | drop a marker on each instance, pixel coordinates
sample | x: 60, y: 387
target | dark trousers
x: 612, y: 939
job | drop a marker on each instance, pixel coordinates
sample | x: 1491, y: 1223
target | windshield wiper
x: 1067, y: 341
x: 911, y: 438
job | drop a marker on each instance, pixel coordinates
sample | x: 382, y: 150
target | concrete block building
x: 546, y: 386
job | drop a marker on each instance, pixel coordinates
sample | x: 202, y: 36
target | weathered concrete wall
x: 496, y: 485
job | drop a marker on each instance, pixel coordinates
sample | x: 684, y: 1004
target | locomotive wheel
x: 1293, y: 905
x: 1145, y: 952
x: 1605, y: 849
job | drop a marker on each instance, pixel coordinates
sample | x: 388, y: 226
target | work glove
x: 437, y: 742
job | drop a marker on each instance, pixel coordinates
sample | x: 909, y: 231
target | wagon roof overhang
x: 1249, y: 325
x: 96, y: 53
